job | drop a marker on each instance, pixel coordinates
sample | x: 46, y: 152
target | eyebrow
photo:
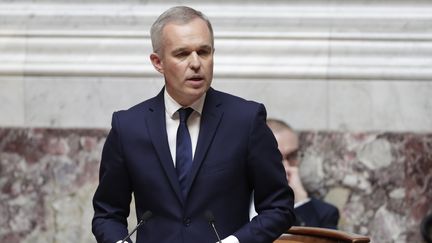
x: 182, y: 49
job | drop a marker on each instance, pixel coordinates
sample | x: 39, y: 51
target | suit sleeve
x: 112, y: 198
x: 274, y: 199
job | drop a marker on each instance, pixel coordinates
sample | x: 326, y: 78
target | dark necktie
x: 184, y: 149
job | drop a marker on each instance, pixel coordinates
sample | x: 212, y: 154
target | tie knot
x: 184, y: 113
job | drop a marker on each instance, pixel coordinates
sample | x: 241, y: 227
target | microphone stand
x: 143, y: 220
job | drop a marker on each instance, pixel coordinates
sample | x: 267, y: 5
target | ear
x: 157, y: 62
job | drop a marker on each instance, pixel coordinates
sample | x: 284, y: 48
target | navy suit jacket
x: 317, y: 213
x: 235, y: 154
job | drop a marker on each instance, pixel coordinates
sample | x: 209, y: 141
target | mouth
x: 195, y: 78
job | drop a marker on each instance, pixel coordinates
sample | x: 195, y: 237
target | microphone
x: 210, y: 218
x: 143, y: 220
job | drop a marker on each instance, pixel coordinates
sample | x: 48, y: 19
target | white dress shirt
x: 172, y: 122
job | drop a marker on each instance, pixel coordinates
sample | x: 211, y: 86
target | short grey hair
x: 178, y: 14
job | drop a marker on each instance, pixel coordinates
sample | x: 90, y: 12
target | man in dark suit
x: 309, y: 211
x: 211, y: 160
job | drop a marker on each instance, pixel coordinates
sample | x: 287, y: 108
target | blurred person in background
x: 308, y: 210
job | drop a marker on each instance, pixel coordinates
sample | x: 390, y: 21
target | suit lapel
x: 157, y: 129
x: 211, y: 116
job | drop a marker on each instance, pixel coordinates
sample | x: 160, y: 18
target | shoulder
x: 233, y: 103
x: 230, y: 98
x: 323, y: 207
x: 138, y: 113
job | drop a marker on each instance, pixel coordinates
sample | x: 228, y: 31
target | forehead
x: 193, y: 32
x: 287, y: 139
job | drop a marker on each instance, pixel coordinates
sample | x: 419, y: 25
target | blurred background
x: 354, y: 77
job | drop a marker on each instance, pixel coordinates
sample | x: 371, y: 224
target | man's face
x: 288, y: 146
x: 186, y: 60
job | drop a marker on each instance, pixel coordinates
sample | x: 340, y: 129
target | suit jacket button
x: 187, y: 222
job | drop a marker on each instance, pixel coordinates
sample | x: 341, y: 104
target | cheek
x: 209, y: 64
x: 175, y: 71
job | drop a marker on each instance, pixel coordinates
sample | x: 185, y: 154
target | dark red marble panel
x: 381, y: 182
x: 44, y: 175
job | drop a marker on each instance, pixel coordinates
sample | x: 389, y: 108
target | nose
x: 195, y: 62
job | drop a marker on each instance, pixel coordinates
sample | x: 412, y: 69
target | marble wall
x: 47, y: 178
x: 381, y: 182
x: 354, y: 76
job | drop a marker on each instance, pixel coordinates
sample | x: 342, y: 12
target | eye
x: 204, y: 52
x: 181, y: 54
x: 293, y: 155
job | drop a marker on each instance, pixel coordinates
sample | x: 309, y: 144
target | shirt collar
x: 171, y: 106
x: 298, y: 204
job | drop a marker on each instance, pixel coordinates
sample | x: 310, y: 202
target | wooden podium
x: 298, y: 234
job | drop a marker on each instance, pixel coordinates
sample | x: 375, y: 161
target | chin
x: 198, y: 89
x: 196, y: 93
